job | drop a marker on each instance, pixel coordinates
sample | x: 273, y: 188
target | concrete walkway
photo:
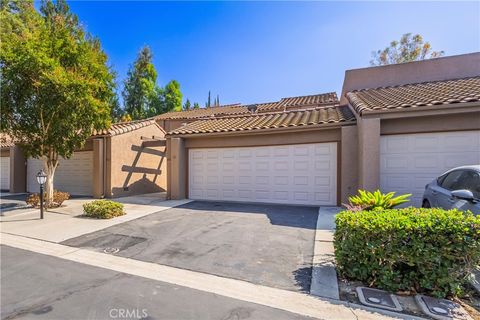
x: 64, y: 223
x: 294, y: 302
x: 324, y: 276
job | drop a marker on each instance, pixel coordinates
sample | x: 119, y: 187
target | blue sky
x: 262, y: 51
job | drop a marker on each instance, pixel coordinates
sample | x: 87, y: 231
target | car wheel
x: 426, y: 204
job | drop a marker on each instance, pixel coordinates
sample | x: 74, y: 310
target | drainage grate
x: 440, y: 309
x: 110, y: 250
x: 378, y: 299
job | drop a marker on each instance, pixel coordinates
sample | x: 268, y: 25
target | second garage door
x: 290, y: 174
x: 74, y: 175
x: 4, y: 173
x: 409, y: 161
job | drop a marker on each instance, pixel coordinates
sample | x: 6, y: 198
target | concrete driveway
x: 270, y: 245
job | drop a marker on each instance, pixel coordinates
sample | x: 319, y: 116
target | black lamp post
x: 41, y: 179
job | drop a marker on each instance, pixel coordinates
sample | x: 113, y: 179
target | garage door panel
x: 408, y: 162
x: 4, y: 173
x: 426, y: 161
x: 324, y: 149
x: 459, y: 159
x: 297, y: 174
x: 280, y: 195
x: 395, y: 162
x: 281, y: 152
x: 74, y: 175
x: 262, y: 152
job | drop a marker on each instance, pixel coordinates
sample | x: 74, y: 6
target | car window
x: 440, y: 179
x: 470, y: 180
x: 452, y: 180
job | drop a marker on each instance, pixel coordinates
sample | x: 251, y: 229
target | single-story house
x: 126, y: 159
x: 395, y: 128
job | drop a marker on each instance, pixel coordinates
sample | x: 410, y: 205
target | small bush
x: 376, y: 200
x: 58, y: 198
x: 103, y: 209
x: 418, y: 249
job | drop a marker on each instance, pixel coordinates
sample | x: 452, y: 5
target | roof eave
x: 415, y: 111
x: 266, y: 130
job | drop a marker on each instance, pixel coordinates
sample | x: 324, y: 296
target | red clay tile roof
x: 297, y: 118
x: 6, y: 141
x: 124, y: 127
x: 317, y: 99
x: 284, y: 104
x: 204, y: 112
x: 114, y: 130
x: 416, y: 95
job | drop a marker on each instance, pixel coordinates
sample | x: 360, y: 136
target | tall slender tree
x: 209, y: 102
x: 56, y: 84
x: 141, y: 95
x: 187, y: 105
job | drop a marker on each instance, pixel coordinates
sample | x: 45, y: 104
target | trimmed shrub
x: 103, y: 209
x: 417, y: 249
x: 58, y: 198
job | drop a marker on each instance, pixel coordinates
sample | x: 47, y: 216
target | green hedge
x: 425, y: 250
x: 103, y: 209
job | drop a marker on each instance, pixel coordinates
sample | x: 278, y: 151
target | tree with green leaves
x: 141, y: 95
x: 56, y: 84
x: 196, y: 105
x: 187, y: 105
x: 116, y: 112
x: 409, y: 48
x: 172, y: 97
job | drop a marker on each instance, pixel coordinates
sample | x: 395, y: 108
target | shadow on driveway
x: 270, y: 245
x: 282, y: 215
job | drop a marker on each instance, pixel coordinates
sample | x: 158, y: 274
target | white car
x: 457, y: 188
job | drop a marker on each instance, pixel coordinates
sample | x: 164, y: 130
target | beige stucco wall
x: 99, y: 167
x: 348, y: 162
x: 133, y: 169
x: 18, y: 170
x: 178, y: 169
x: 266, y: 138
x: 368, y: 153
x: 169, y: 125
x: 432, y: 123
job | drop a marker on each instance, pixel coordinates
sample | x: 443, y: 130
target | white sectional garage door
x: 74, y: 175
x: 4, y: 173
x: 409, y: 161
x: 291, y: 174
